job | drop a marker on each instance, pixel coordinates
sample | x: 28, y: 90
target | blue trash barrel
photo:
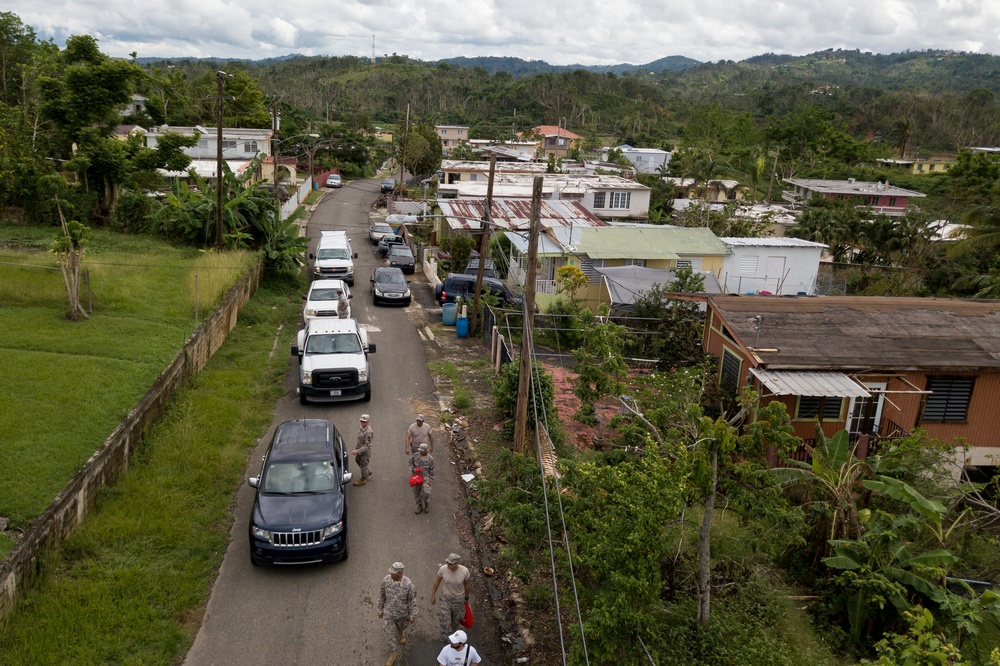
x: 449, y: 312
x: 462, y: 327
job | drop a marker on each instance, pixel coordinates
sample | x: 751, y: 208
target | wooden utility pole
x: 220, y: 78
x: 402, y: 159
x: 274, y: 155
x: 484, y: 243
x: 774, y: 173
x: 527, y: 342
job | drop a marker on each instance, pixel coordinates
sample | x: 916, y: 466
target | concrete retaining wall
x: 22, y: 565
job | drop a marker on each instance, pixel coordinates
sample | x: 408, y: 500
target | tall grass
x: 67, y: 385
x: 212, y: 274
x: 125, y: 586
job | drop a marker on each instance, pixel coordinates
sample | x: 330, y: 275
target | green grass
x: 69, y: 384
x: 444, y: 369
x: 129, y: 586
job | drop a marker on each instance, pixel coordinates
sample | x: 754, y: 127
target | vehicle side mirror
x: 312, y: 256
x: 371, y: 348
x: 347, y: 478
x: 254, y: 482
x: 305, y: 297
x: 350, y: 296
x: 409, y: 281
x: 295, y: 350
x: 355, y: 255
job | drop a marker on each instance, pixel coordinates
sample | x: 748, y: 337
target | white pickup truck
x: 333, y: 361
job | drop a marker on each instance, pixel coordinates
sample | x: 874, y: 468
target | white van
x: 334, y: 257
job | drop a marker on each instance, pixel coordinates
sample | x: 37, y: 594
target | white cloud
x: 558, y: 31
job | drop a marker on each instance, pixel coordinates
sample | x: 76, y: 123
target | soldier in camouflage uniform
x: 397, y: 607
x: 422, y: 460
x: 363, y: 450
x: 453, y: 582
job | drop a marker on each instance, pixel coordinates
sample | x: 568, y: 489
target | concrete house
x: 783, y: 266
x: 917, y: 167
x: 877, y: 366
x: 451, y: 136
x: 556, y: 140
x: 645, y: 160
x: 880, y: 198
x: 593, y: 248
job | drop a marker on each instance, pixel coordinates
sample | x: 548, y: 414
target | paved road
x: 325, y: 614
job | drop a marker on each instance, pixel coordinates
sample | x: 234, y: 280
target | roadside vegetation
x: 83, y: 377
x: 130, y: 585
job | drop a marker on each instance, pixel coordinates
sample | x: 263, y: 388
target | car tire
x: 256, y: 562
x: 408, y: 301
x: 346, y: 552
x: 368, y: 397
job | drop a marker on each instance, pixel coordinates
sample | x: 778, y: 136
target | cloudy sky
x: 561, y: 32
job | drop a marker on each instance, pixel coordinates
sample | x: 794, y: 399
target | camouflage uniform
x: 422, y: 493
x: 397, y: 601
x: 364, y: 450
x: 451, y: 599
x: 342, y: 306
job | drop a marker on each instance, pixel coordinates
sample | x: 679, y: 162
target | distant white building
x: 451, y: 136
x: 645, y: 160
x: 237, y: 143
x: 782, y: 266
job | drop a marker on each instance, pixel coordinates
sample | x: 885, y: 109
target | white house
x: 783, y: 266
x: 237, y: 143
x: 645, y: 160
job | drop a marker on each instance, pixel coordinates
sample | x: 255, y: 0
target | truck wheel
x: 368, y: 397
x: 302, y: 399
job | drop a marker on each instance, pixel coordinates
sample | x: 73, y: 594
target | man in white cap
x: 396, y: 607
x: 422, y: 460
x: 458, y: 652
x: 419, y: 433
x: 363, y: 450
x: 454, y: 581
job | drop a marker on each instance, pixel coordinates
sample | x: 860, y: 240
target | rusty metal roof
x: 515, y: 214
x: 851, y: 333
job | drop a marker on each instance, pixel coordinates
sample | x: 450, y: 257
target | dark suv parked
x: 462, y: 285
x: 300, y: 508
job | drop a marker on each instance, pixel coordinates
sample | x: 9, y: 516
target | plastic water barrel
x: 449, y: 312
x: 462, y: 327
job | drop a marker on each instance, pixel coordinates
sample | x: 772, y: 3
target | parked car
x: 472, y: 268
x: 401, y: 257
x: 334, y: 180
x: 300, y: 507
x: 323, y: 298
x: 388, y: 185
x: 378, y: 230
x: 463, y: 285
x: 389, y: 286
x: 283, y: 194
x: 388, y: 241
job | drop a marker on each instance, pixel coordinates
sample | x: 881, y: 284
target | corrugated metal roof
x: 847, y: 333
x: 648, y: 242
x: 515, y: 214
x: 817, y: 384
x: 774, y: 241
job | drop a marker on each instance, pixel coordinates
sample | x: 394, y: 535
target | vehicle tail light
x: 444, y: 296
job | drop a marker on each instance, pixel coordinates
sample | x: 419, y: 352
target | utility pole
x: 402, y: 159
x: 527, y: 335
x: 774, y: 172
x: 484, y: 243
x: 274, y: 156
x: 220, y: 78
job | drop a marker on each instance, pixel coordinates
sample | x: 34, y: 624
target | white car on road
x: 323, y: 297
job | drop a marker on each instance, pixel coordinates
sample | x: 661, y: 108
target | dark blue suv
x: 300, y: 509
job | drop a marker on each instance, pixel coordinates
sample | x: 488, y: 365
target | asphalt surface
x: 325, y: 614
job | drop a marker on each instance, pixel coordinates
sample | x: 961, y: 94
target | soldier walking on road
x: 397, y: 608
x: 418, y: 433
x: 342, y: 305
x: 363, y: 450
x: 423, y: 461
x: 453, y: 579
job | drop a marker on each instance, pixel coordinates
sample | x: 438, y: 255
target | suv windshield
x: 324, y: 295
x: 334, y: 343
x: 285, y: 478
x: 333, y: 253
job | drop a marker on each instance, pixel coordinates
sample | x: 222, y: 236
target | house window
x: 250, y: 147
x: 693, y: 263
x: 748, y: 265
x: 729, y: 377
x: 920, y: 167
x: 620, y: 200
x: 949, y: 398
x: 635, y: 262
x: 809, y: 407
x: 599, y: 199
x: 930, y: 167
x: 892, y: 201
x: 588, y: 266
x: 228, y: 145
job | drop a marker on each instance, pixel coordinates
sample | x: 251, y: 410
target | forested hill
x: 519, y: 67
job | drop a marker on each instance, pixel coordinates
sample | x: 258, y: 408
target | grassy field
x: 68, y: 384
x: 130, y: 586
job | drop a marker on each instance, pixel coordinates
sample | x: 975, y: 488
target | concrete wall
x: 21, y: 566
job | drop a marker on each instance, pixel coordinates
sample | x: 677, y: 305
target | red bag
x: 467, y: 620
x: 416, y: 479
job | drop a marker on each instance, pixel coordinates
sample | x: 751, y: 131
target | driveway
x: 325, y: 614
